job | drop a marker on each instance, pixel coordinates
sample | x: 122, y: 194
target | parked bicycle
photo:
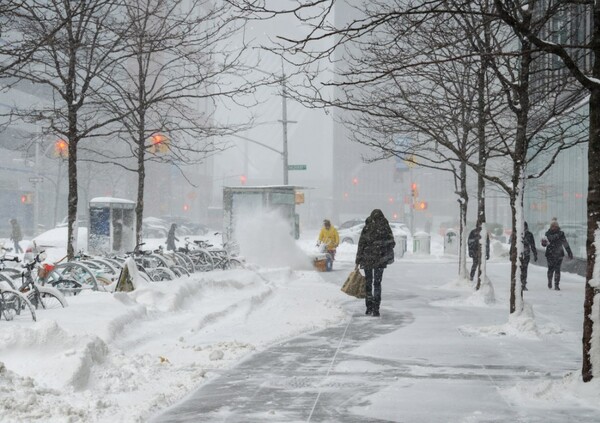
x: 12, y: 302
x: 40, y: 296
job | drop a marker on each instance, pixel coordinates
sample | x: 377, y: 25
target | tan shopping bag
x: 355, y: 284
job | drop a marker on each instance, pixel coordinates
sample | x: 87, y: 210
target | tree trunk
x: 72, y: 197
x: 464, y: 203
x: 139, y: 207
x: 593, y: 207
x: 481, y: 124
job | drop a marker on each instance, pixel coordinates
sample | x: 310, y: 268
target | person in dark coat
x: 473, y: 245
x: 556, y: 244
x: 528, y: 248
x: 375, y: 251
x: 171, y: 238
x: 16, y: 235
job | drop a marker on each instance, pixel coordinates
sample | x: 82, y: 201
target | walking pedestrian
x: 329, y: 238
x: 473, y: 245
x: 556, y: 243
x: 528, y: 248
x: 375, y: 251
x: 171, y: 238
x: 16, y: 235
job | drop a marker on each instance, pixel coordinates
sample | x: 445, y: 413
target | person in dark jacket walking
x: 473, y: 245
x: 171, y: 238
x: 556, y: 244
x: 375, y: 251
x: 528, y: 248
x: 16, y: 235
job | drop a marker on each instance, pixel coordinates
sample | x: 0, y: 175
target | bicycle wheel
x: 7, y: 279
x: 67, y: 286
x: 203, y: 261
x: 179, y: 271
x: 233, y: 263
x: 48, y: 298
x: 13, y: 304
x: 160, y: 274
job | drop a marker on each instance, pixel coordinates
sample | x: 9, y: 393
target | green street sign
x: 296, y: 167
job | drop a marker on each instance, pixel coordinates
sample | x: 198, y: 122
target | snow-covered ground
x: 124, y: 357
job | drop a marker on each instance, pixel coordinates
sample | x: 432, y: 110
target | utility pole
x: 284, y: 122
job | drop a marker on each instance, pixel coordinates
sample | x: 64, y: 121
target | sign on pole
x: 297, y: 167
x: 36, y: 179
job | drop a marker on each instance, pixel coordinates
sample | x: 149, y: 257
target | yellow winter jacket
x: 329, y: 237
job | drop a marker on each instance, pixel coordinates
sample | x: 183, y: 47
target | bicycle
x: 12, y: 302
x: 220, y: 257
x: 39, y: 296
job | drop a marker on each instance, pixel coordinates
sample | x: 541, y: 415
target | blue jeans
x: 329, y: 257
x: 18, y: 248
x: 373, y: 288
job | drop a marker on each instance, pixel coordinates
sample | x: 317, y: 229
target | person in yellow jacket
x: 330, y: 239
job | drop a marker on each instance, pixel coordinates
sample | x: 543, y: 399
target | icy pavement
x: 431, y: 357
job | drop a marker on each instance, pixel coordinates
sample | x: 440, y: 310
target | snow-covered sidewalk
x: 435, y: 355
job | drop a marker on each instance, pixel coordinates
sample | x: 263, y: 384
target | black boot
x: 369, y: 311
x: 375, y: 313
x: 550, y: 284
x: 556, y: 288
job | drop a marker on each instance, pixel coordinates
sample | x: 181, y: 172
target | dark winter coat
x: 473, y: 242
x: 556, y: 241
x: 376, y: 243
x: 529, y: 245
x: 171, y: 238
x: 15, y: 233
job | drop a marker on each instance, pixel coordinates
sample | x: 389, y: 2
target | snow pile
x: 123, y: 356
x: 556, y: 394
x: 520, y: 324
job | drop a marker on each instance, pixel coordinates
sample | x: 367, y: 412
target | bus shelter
x: 112, y: 226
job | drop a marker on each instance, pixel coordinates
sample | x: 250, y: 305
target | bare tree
x: 580, y: 54
x: 80, y: 43
x: 181, y: 61
x: 517, y: 136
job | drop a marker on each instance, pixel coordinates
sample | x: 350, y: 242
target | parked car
x: 399, y: 228
x: 351, y: 223
x: 352, y: 234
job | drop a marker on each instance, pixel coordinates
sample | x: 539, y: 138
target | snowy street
x: 283, y: 345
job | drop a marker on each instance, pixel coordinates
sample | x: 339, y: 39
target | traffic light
x: 243, y: 179
x: 61, y: 148
x: 160, y: 143
x: 186, y: 207
x: 27, y: 198
x: 414, y: 191
x: 355, y: 181
x: 421, y: 205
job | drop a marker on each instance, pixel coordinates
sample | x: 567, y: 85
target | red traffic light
x: 61, y: 148
x: 243, y: 179
x: 355, y: 181
x: 23, y: 199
